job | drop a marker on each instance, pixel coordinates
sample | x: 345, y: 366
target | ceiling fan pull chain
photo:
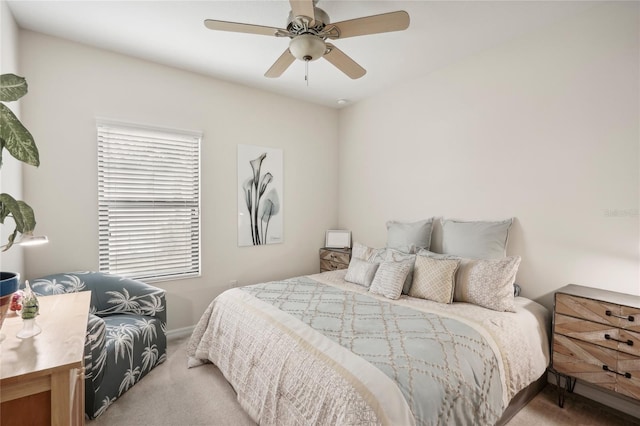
x: 306, y: 71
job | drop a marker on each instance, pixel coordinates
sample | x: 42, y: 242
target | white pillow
x: 407, y: 236
x: 360, y: 251
x: 367, y: 253
x: 361, y: 272
x: 476, y: 240
x: 389, y: 279
x: 434, y: 279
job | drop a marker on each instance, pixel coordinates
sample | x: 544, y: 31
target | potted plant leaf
x: 18, y: 141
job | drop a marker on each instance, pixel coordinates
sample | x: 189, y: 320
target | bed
x: 319, y: 349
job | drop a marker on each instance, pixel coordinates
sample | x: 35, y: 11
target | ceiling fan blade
x: 243, y: 28
x: 280, y: 65
x: 302, y: 8
x: 344, y: 63
x: 384, y: 23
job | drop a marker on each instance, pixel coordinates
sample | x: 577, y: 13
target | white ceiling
x: 173, y: 33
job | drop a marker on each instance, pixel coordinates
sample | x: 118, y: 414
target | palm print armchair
x: 126, y: 332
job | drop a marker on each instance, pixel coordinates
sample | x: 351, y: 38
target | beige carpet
x: 543, y: 410
x: 172, y: 394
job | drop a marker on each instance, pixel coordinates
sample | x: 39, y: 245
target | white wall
x: 543, y: 129
x: 11, y: 172
x: 72, y: 84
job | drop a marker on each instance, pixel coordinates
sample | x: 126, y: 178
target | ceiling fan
x: 309, y: 27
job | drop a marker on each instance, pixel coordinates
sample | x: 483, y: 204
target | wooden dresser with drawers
x: 333, y: 258
x: 596, y: 339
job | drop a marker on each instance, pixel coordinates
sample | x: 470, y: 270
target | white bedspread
x: 285, y: 372
x: 521, y: 338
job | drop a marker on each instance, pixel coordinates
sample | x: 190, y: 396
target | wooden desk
x: 42, y: 378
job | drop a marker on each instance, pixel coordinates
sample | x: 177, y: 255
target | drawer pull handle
x: 606, y: 368
x: 629, y: 318
x: 628, y: 342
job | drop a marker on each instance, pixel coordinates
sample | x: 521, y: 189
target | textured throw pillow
x: 369, y: 254
x: 360, y: 251
x: 476, y: 240
x: 361, y: 272
x: 409, y: 236
x: 488, y: 283
x: 499, y: 289
x: 434, y: 279
x: 389, y: 279
x: 398, y: 256
x: 378, y: 255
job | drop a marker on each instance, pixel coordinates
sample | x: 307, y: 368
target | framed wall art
x: 260, y: 191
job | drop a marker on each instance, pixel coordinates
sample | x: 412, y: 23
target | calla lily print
x: 259, y: 195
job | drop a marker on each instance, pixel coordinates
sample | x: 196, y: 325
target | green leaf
x: 9, y: 206
x: 28, y: 217
x: 20, y: 144
x: 21, y: 213
x: 17, y: 139
x: 12, y: 87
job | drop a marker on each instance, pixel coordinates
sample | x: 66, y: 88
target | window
x: 148, y: 201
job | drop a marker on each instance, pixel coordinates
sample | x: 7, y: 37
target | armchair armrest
x: 95, y: 357
x: 95, y: 352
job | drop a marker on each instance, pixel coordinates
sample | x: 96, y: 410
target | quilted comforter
x: 318, y: 350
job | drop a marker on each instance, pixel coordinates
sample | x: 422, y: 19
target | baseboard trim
x: 610, y: 399
x: 180, y: 332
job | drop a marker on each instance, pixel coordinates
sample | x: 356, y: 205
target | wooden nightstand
x: 333, y: 258
x: 596, y: 338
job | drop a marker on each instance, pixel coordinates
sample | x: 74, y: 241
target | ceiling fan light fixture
x: 309, y: 28
x: 307, y: 47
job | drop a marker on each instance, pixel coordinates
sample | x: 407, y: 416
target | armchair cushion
x: 126, y: 331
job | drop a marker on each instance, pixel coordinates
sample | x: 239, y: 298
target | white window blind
x: 148, y: 202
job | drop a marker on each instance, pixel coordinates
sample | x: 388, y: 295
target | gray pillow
x: 389, y: 279
x: 476, y: 240
x: 407, y: 236
x: 398, y: 256
x: 361, y: 272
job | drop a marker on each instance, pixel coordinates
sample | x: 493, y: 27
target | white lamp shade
x: 307, y: 47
